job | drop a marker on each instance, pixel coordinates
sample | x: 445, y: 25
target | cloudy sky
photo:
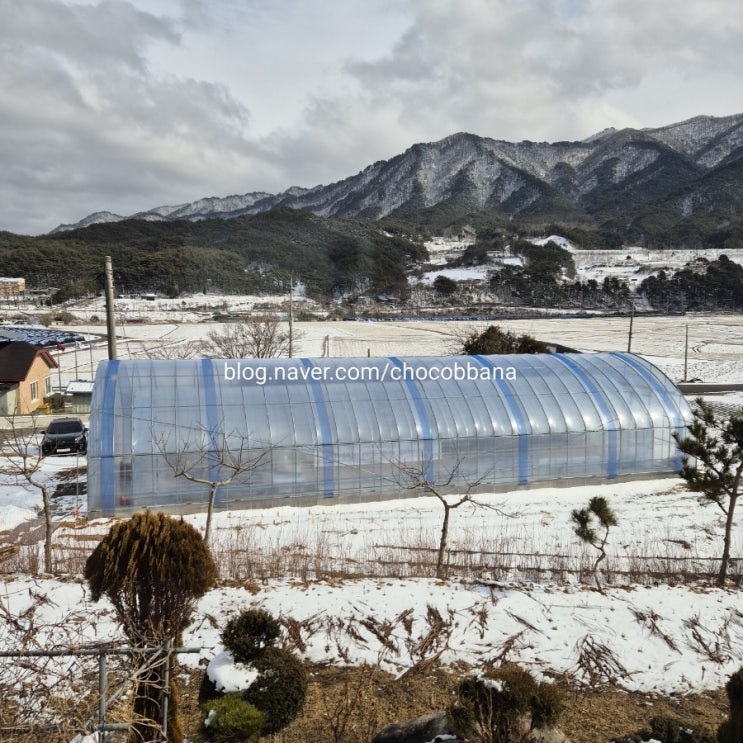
x: 123, y: 105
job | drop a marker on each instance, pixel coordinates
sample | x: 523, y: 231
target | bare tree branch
x: 415, y: 478
x: 21, y: 457
x: 260, y: 337
x: 212, y: 461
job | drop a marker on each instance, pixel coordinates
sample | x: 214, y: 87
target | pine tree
x: 713, y: 465
x: 583, y: 518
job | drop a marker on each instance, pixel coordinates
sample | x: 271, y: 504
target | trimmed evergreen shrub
x: 208, y: 690
x: 491, y: 706
x: 248, y: 634
x: 152, y: 568
x: 280, y: 690
x: 231, y: 718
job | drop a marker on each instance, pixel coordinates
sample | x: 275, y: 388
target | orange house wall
x: 38, y: 372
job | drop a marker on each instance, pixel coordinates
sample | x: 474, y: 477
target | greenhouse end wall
x: 308, y: 431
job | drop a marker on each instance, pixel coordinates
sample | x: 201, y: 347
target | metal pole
x: 102, y: 697
x: 110, y: 323
x: 291, y: 316
x: 686, y: 352
x: 631, y: 323
x: 166, y: 690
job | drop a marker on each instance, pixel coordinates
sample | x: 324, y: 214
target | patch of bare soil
x: 351, y: 705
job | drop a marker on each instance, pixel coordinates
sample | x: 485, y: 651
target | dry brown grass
x: 349, y: 705
x: 245, y: 553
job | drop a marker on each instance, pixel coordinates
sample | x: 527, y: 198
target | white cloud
x: 127, y: 105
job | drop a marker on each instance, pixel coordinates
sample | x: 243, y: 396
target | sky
x: 124, y: 105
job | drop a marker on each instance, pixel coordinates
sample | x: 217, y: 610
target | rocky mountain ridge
x: 601, y: 176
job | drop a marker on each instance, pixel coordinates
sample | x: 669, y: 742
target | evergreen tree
x: 152, y: 569
x: 731, y: 731
x: 494, y: 340
x: 713, y: 465
x: 583, y: 519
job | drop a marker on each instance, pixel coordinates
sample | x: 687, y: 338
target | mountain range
x: 678, y: 187
x: 639, y: 181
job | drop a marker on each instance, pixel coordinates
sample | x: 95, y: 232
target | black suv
x: 64, y: 434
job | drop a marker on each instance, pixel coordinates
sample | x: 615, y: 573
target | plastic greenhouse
x: 306, y: 430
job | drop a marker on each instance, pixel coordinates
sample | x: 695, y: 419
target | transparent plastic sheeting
x: 316, y: 429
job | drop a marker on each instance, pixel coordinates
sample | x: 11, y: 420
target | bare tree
x: 22, y: 459
x: 211, y: 461
x: 712, y: 449
x: 260, y: 337
x: 176, y: 350
x: 415, y: 478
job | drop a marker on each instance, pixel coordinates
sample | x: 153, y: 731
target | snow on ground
x: 633, y: 264
x: 443, y: 249
x: 477, y: 273
x: 665, y: 638
x: 713, y: 350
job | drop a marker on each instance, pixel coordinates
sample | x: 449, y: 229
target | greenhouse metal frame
x: 307, y: 431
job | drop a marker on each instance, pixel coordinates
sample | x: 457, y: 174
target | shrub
x: 231, y: 718
x: 494, y: 340
x: 249, y: 634
x: 731, y: 731
x: 152, y: 568
x: 444, y: 286
x: 546, y: 705
x: 493, y: 705
x: 666, y: 730
x: 208, y: 691
x: 280, y: 689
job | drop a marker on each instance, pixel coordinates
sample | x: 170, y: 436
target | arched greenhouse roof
x: 329, y: 425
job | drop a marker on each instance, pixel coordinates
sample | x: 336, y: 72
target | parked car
x: 65, y: 434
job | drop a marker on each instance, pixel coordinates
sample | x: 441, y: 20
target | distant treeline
x: 262, y: 254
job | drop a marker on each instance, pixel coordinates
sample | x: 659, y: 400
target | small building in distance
x: 25, y: 377
x: 12, y: 287
x: 78, y: 394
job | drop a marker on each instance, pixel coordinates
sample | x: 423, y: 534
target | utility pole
x: 631, y: 323
x: 110, y: 322
x: 291, y: 316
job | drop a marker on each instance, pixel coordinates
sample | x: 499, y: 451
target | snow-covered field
x: 709, y: 347
x: 667, y: 638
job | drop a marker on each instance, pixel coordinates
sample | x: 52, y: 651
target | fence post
x: 102, y: 684
x: 166, y: 690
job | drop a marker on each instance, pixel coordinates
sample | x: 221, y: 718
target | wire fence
x: 55, y: 696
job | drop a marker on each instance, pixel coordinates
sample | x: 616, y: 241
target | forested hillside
x: 252, y: 254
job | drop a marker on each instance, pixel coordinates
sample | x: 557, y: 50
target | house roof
x: 80, y: 387
x: 16, y: 358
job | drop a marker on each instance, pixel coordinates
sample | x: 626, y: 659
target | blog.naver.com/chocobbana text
x: 389, y: 371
